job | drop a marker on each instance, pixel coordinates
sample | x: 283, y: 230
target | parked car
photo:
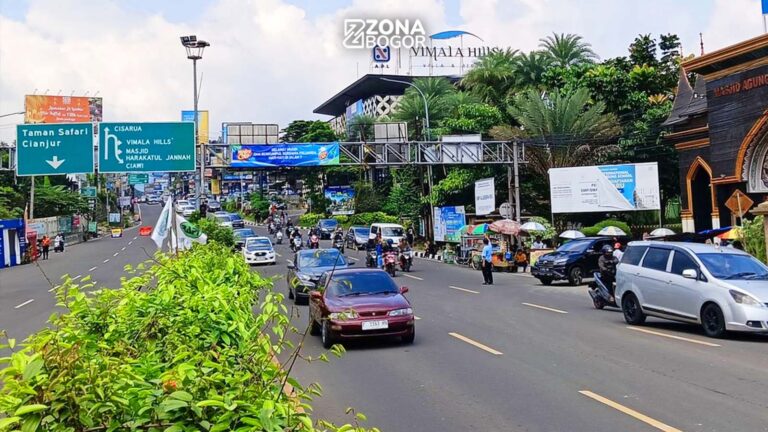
x: 388, y: 231
x: 241, y: 234
x: 327, y: 227
x: 213, y: 205
x: 237, y: 221
x: 357, y: 237
x: 358, y: 303
x: 307, y: 267
x: 259, y: 250
x: 180, y: 204
x: 572, y: 261
x: 187, y: 210
x: 221, y: 219
x: 721, y: 289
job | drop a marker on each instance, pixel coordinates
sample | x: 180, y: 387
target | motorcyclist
x: 338, y: 235
x: 279, y: 236
x: 607, y: 265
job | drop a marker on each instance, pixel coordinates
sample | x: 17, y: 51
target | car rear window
x: 656, y: 259
x: 633, y: 254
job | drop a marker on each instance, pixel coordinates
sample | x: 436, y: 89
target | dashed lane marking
x: 412, y: 277
x: 667, y: 335
x: 135, y: 238
x: 93, y: 268
x: 545, y: 308
x: 630, y: 412
x: 106, y: 260
x: 130, y: 242
x: 24, y: 304
x: 477, y: 344
x: 77, y: 277
x: 123, y: 248
x: 116, y: 254
x: 463, y: 289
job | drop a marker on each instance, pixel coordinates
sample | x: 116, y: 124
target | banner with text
x: 62, y: 109
x: 626, y: 187
x: 295, y: 154
x: 485, y: 196
x: 448, y: 222
x: 342, y: 199
x: 202, y: 123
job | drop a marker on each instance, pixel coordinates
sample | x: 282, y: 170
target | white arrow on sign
x: 55, y: 163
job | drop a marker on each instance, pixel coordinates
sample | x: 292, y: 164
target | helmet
x: 389, y: 242
x: 607, y: 249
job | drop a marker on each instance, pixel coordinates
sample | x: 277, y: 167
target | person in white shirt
x: 538, y: 244
x: 617, y: 251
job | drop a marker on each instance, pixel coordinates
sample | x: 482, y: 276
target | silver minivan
x: 720, y: 288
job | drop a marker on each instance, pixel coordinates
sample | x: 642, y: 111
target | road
x: 515, y: 356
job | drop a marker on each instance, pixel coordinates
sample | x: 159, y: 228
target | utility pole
x: 32, y: 199
x: 515, y: 150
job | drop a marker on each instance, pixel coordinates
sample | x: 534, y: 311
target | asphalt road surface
x: 515, y: 356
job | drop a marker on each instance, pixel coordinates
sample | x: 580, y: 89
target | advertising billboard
x: 485, y: 196
x: 202, y: 123
x: 627, y: 187
x: 296, y: 154
x: 342, y: 199
x: 62, y: 109
x: 448, y: 222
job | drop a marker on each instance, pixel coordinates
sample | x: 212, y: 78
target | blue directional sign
x: 146, y: 147
x: 51, y: 149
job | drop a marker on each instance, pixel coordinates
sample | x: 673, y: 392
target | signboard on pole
x: 342, y: 199
x: 448, y: 222
x: 202, y: 123
x: 134, y: 179
x: 88, y: 192
x: 602, y: 188
x: 52, y: 149
x: 296, y: 154
x: 146, y: 147
x: 485, y: 196
x: 505, y: 210
x: 61, y: 109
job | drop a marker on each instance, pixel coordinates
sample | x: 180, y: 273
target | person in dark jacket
x: 607, y: 265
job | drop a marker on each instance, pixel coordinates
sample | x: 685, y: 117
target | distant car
x: 180, y: 205
x: 258, y: 250
x: 357, y: 237
x: 213, y: 205
x: 388, y: 231
x: 154, y: 199
x: 572, y: 261
x: 359, y: 303
x: 237, y: 221
x: 327, y: 227
x: 307, y: 267
x: 223, y: 220
x: 187, y: 210
x: 221, y: 213
x: 721, y: 289
x: 241, y: 234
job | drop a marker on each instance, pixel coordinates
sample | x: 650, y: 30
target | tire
x: 598, y: 303
x: 546, y: 281
x: 326, y: 335
x: 408, y: 339
x: 712, y: 321
x: 575, y: 276
x: 630, y: 306
x: 290, y: 294
x: 314, y: 329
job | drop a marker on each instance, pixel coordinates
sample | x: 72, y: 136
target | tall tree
x: 642, y: 51
x: 295, y: 130
x: 567, y: 49
x: 492, y: 77
x: 530, y: 68
x: 438, y: 92
x: 319, y: 131
x: 360, y: 128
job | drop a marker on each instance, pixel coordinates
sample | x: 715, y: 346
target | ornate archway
x: 751, y: 164
x: 702, y: 201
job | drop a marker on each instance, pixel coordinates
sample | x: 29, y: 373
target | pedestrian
x: 521, y: 259
x: 379, y: 252
x: 617, y: 252
x: 487, y: 262
x: 538, y: 243
x: 58, y: 243
x: 46, y: 245
x: 409, y: 237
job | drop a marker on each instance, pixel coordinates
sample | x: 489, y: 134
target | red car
x: 355, y: 303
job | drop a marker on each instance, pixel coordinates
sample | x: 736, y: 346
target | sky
x: 273, y: 61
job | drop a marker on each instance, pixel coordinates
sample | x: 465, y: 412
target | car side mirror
x: 403, y: 290
x: 690, y: 274
x: 315, y: 295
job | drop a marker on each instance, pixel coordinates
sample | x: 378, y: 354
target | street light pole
x: 195, y: 49
x: 426, y: 106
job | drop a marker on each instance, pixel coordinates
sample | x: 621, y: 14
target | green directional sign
x: 134, y: 179
x: 146, y: 147
x: 88, y: 192
x: 51, y: 149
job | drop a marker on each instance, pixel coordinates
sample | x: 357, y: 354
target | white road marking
x: 546, y: 308
x: 116, y: 254
x: 106, y: 260
x: 680, y: 338
x: 51, y: 290
x: 352, y: 258
x: 135, y: 238
x: 93, y: 268
x: 416, y: 318
x: 130, y: 242
x: 278, y: 254
x: 77, y: 277
x: 25, y: 303
x: 630, y: 412
x: 476, y: 344
x: 122, y: 249
x: 463, y: 289
x: 412, y: 277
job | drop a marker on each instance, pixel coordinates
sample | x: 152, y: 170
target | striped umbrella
x: 533, y: 226
x: 505, y: 226
x: 478, y: 229
x: 571, y: 234
x: 611, y: 231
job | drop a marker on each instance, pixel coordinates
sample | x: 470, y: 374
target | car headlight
x: 561, y: 261
x: 304, y: 277
x: 745, y: 299
x: 401, y: 312
x: 346, y: 315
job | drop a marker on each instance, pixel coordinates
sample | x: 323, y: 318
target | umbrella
x: 734, y: 234
x: 505, y: 226
x: 532, y: 226
x: 611, y: 231
x: 662, y: 232
x: 478, y: 229
x: 571, y: 234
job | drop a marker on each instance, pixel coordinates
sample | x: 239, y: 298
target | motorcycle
x: 406, y: 260
x: 338, y: 243
x: 279, y: 237
x: 314, y: 242
x: 390, y: 262
x: 271, y: 229
x: 370, y: 258
x: 296, y: 245
x: 601, y: 295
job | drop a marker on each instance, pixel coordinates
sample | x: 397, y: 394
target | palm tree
x: 567, y: 49
x: 360, y: 128
x: 529, y: 68
x: 492, y: 77
x: 565, y: 129
x: 410, y: 108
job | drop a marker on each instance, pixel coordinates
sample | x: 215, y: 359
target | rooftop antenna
x: 34, y: 91
x: 86, y: 93
x: 73, y: 93
x: 59, y: 93
x: 46, y: 91
x: 97, y: 93
x: 701, y: 43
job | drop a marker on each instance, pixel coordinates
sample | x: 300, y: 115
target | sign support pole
x: 199, y: 187
x: 518, y: 216
x: 32, y: 199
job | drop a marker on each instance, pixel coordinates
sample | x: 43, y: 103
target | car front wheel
x: 575, y: 276
x: 326, y: 335
x: 408, y: 339
x: 314, y: 329
x: 633, y: 315
x: 712, y: 321
x: 546, y: 281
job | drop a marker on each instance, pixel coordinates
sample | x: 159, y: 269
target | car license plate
x: 375, y: 324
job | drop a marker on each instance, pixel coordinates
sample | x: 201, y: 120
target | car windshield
x: 574, y: 246
x: 234, y: 217
x: 222, y: 218
x: 258, y: 243
x: 392, y: 231
x: 363, y: 283
x: 363, y: 232
x: 321, y: 258
x: 243, y: 233
x: 733, y: 266
x: 328, y: 223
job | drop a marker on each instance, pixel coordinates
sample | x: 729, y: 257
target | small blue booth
x: 13, y: 243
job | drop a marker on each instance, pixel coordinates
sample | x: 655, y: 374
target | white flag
x: 188, y: 233
x: 163, y: 224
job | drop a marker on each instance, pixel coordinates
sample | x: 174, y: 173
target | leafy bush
x: 368, y: 218
x: 177, y: 347
x: 310, y: 219
x: 594, y: 229
x: 342, y: 219
x: 260, y: 207
x: 217, y: 233
x: 753, y: 237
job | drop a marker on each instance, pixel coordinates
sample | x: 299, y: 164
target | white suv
x: 720, y: 288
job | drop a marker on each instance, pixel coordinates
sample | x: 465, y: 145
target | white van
x: 388, y: 231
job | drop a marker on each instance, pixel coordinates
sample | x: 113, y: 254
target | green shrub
x: 753, y: 237
x: 594, y: 229
x: 367, y: 219
x: 310, y: 219
x: 259, y: 207
x: 342, y: 219
x: 217, y: 233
